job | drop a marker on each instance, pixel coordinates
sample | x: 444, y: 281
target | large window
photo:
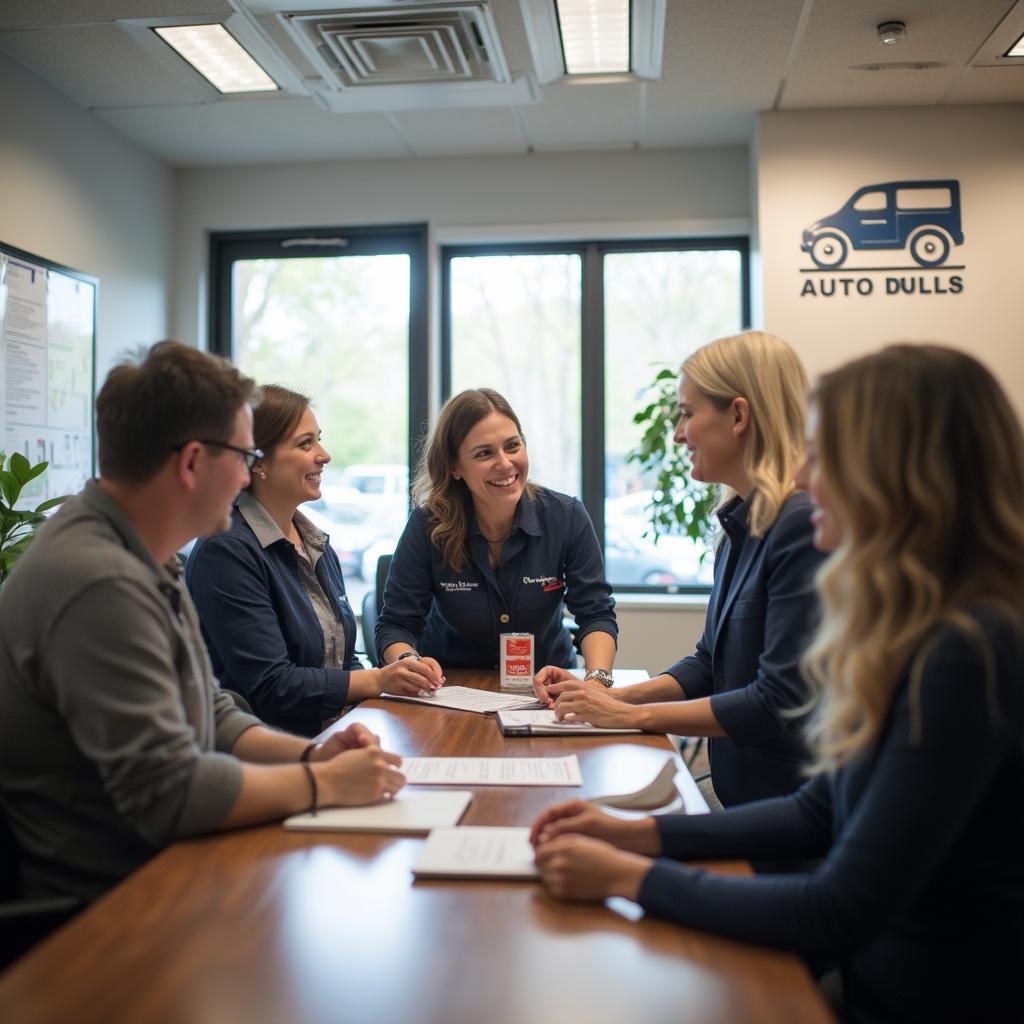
x: 571, y: 335
x: 338, y: 315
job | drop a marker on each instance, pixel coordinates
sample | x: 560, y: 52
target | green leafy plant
x: 17, y: 528
x: 680, y: 506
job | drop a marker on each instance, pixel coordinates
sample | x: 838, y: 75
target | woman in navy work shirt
x: 270, y: 594
x: 742, y: 403
x: 486, y: 553
x: 916, y: 471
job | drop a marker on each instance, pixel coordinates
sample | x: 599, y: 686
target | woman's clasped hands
x: 584, y: 854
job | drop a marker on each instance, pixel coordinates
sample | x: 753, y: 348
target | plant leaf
x: 37, y: 470
x: 14, y: 551
x: 20, y: 467
x: 52, y: 503
x: 10, y: 486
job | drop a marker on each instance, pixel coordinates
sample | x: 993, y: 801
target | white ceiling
x: 723, y: 61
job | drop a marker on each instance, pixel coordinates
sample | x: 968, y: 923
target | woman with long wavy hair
x: 487, y: 552
x: 742, y: 403
x: 916, y: 800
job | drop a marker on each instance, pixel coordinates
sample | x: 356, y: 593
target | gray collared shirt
x: 114, y: 733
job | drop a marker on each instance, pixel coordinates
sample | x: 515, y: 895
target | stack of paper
x: 476, y: 852
x: 414, y: 813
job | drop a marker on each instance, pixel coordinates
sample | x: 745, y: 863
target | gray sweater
x: 113, y: 730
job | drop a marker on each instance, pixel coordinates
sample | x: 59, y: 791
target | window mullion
x: 592, y: 386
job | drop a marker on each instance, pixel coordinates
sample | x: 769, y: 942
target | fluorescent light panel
x: 215, y: 53
x: 595, y: 36
x: 1017, y: 50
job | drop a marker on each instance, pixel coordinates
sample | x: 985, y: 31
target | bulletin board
x: 47, y: 370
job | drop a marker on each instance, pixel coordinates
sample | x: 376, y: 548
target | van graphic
x: 923, y: 216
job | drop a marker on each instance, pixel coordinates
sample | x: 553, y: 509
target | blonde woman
x: 916, y: 470
x: 742, y: 411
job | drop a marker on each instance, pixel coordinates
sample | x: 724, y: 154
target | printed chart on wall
x: 48, y: 336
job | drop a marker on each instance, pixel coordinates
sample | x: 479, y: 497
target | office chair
x: 23, y: 921
x: 696, y: 745
x: 373, y: 601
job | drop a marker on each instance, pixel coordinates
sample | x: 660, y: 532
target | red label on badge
x: 519, y: 645
x: 518, y: 666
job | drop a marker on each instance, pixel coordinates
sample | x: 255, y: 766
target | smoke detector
x: 891, y: 32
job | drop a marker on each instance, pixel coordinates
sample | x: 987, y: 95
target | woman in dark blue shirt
x: 742, y: 406
x: 270, y: 593
x: 485, y: 552
x: 916, y: 802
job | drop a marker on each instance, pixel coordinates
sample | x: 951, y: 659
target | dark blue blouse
x: 261, y: 630
x: 551, y: 556
x: 761, y: 611
x: 920, y: 897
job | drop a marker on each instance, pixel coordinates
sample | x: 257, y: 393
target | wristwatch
x: 602, y: 675
x: 408, y: 654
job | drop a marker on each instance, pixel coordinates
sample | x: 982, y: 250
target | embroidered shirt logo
x: 546, y: 582
x: 458, y: 586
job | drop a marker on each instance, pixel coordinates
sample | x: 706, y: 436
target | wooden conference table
x: 263, y: 925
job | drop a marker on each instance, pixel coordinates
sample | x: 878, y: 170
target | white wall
x: 74, y: 191
x: 690, y: 190
x: 656, y: 632
x: 810, y: 162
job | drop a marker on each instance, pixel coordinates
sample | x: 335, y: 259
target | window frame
x: 592, y: 346
x: 227, y: 247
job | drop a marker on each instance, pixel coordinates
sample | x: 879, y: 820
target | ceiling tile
x: 98, y: 66
x: 841, y: 35
x: 989, y: 85
x: 21, y: 14
x: 487, y: 130
x: 584, y: 114
x: 255, y: 131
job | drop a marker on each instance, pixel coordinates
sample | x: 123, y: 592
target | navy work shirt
x: 260, y: 627
x: 551, y: 555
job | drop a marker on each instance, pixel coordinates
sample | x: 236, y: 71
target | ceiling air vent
x: 449, y: 54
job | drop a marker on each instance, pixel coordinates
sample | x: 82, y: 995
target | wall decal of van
x: 921, y: 216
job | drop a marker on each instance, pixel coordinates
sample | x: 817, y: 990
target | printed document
x: 466, y: 698
x: 542, y: 722
x: 492, y: 771
x: 476, y: 852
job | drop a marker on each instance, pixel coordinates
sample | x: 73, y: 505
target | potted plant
x: 679, y: 506
x: 18, y: 527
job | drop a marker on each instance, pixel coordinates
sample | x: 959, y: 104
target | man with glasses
x: 115, y: 738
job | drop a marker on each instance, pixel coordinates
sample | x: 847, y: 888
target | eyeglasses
x: 250, y: 455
